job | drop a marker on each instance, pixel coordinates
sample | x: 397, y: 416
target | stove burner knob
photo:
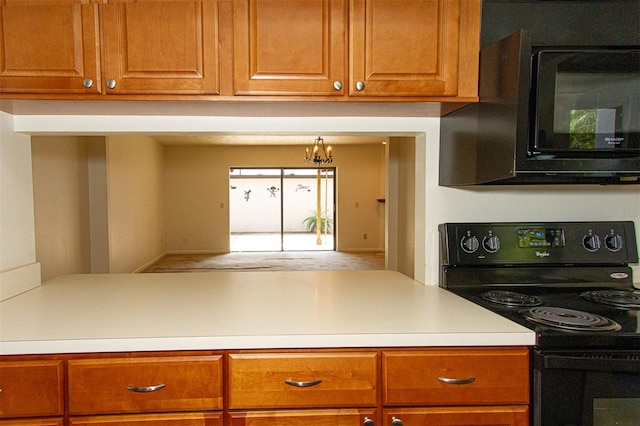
x: 469, y: 243
x: 591, y: 242
x: 613, y: 242
x: 491, y: 243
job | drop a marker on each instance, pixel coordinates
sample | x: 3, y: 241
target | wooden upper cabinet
x: 168, y: 47
x: 404, y: 48
x: 290, y: 47
x: 409, y: 48
x: 49, y: 47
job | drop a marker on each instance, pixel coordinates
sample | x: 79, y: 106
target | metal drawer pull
x: 146, y: 389
x: 303, y: 384
x: 457, y: 381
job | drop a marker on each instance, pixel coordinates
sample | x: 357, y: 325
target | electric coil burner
x: 570, y: 319
x: 572, y: 284
x: 510, y: 298
x: 618, y: 298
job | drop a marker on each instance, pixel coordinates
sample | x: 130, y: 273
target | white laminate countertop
x: 244, y: 310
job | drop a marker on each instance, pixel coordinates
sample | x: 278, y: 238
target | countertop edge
x: 267, y: 342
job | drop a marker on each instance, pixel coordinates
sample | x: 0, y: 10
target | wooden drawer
x: 463, y: 416
x: 31, y: 389
x: 137, y: 385
x: 184, y: 419
x: 32, y: 422
x: 338, y: 417
x: 324, y: 380
x: 494, y: 376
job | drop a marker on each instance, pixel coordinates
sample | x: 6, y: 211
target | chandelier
x: 318, y: 154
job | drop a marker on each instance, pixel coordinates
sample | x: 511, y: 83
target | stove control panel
x: 529, y: 243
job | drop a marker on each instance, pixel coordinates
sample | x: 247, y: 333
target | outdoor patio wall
x: 255, y: 205
x: 197, y: 193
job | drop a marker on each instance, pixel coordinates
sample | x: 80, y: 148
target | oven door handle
x: 619, y: 363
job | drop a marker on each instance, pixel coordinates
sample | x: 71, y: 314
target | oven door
x: 586, y: 388
x: 587, y: 102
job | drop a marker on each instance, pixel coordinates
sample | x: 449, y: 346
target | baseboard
x: 149, y: 263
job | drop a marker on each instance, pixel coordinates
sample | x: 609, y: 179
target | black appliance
x: 559, y: 98
x: 571, y: 283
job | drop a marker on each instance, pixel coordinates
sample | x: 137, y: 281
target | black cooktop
x: 582, y: 322
x: 570, y: 282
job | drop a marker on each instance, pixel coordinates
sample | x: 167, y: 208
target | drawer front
x: 31, y: 388
x: 456, y: 377
x: 32, y: 422
x: 308, y: 380
x: 185, y: 419
x: 132, y: 385
x: 338, y: 417
x: 463, y: 416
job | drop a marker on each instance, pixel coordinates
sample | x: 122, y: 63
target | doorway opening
x: 282, y: 209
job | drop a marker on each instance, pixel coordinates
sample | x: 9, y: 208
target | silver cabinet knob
x: 337, y: 85
x: 396, y: 421
x: 368, y: 422
x: 360, y: 86
x: 87, y: 83
x: 111, y: 83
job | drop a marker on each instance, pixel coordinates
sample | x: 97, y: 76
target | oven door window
x: 586, y: 102
x: 616, y: 411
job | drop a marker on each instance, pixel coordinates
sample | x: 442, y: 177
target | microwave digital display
x: 540, y: 237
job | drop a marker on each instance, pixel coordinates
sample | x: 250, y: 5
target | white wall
x: 61, y: 204
x: 439, y: 204
x: 136, y: 202
x: 19, y: 270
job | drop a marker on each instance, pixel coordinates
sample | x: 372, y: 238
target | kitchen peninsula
x: 257, y: 348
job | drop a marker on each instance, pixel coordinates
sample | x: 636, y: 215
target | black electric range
x: 570, y: 282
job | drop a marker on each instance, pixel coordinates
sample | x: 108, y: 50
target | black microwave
x: 547, y: 115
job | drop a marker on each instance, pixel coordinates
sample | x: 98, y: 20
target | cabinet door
x: 181, y: 419
x: 49, y: 47
x: 31, y: 388
x: 294, y: 47
x: 454, y: 416
x: 404, y: 48
x: 168, y: 47
x: 345, y: 417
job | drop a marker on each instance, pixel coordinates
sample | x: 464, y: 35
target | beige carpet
x: 269, y: 261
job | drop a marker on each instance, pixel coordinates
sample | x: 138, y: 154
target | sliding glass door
x: 278, y: 209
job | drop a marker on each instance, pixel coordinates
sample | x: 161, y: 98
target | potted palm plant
x: 311, y: 223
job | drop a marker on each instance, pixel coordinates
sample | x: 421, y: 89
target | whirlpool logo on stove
x: 542, y: 254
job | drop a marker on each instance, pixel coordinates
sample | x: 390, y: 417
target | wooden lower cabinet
x: 342, y: 417
x: 319, y: 387
x: 455, y: 386
x: 178, y: 419
x: 458, y: 416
